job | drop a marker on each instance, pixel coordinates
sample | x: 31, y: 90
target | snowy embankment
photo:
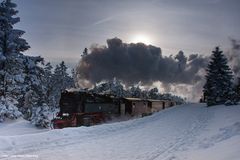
x: 183, y: 132
x: 18, y: 127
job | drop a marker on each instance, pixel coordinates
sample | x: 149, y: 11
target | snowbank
x: 183, y: 132
x: 18, y: 127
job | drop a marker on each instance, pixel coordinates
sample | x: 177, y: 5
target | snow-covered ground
x: 18, y: 127
x: 187, y: 132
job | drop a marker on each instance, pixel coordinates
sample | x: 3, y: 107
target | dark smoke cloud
x: 133, y: 63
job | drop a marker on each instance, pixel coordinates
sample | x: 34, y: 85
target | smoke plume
x: 133, y: 63
x: 233, y: 56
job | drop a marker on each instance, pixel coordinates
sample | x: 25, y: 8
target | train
x: 81, y: 108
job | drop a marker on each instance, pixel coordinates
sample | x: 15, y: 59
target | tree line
x: 29, y: 87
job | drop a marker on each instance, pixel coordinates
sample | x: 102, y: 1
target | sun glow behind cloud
x: 141, y: 38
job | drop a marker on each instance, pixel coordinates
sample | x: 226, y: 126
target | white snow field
x: 18, y: 127
x: 186, y: 132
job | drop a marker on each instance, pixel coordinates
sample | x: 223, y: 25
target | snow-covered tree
x: 113, y: 87
x: 48, y: 71
x: 49, y: 84
x: 74, y: 77
x: 40, y: 116
x: 237, y: 89
x: 13, y: 77
x: 34, y: 90
x: 11, y: 59
x: 145, y: 94
x: 11, y: 44
x: 61, y: 76
x: 10, y: 38
x: 37, y: 111
x: 135, y: 92
x: 22, y: 86
x: 219, y: 80
x: 35, y: 84
x: 61, y: 81
x: 153, y: 93
x: 8, y: 109
x: 116, y: 88
x: 168, y: 96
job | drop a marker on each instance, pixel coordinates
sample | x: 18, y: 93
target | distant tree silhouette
x: 85, y: 52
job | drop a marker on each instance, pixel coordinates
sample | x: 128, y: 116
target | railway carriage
x: 83, y: 108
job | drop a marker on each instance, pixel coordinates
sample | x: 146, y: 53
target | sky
x: 61, y: 29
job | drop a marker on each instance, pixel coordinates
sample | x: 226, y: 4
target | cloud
x: 105, y: 20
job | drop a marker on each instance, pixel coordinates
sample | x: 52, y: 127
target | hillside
x: 183, y: 132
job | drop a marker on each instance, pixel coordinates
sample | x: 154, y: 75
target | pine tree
x: 85, y: 52
x: 36, y: 107
x: 8, y: 109
x: 237, y: 89
x: 40, y: 116
x: 61, y: 80
x: 49, y: 84
x: 219, y: 80
x: 153, y: 93
x: 113, y: 87
x: 11, y: 44
x: 10, y: 38
x: 61, y: 76
x: 11, y: 60
x: 135, y: 92
x: 34, y: 81
x: 22, y: 83
x: 74, y: 77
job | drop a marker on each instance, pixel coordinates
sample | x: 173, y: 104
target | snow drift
x: 184, y: 132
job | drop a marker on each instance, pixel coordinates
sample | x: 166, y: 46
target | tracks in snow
x: 177, y: 128
x: 184, y: 140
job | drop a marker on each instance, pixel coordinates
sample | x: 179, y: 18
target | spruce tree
x: 11, y: 60
x: 153, y: 93
x: 48, y: 80
x: 11, y: 44
x: 237, y: 89
x: 74, y: 77
x: 61, y: 81
x: 61, y: 77
x: 21, y: 77
x: 85, y: 52
x: 10, y: 38
x: 113, y: 87
x: 135, y: 92
x: 34, y: 83
x: 219, y: 80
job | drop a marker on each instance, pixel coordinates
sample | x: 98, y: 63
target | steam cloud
x: 134, y: 63
x: 234, y: 57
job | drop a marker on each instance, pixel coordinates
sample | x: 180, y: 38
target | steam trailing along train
x: 80, y: 108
